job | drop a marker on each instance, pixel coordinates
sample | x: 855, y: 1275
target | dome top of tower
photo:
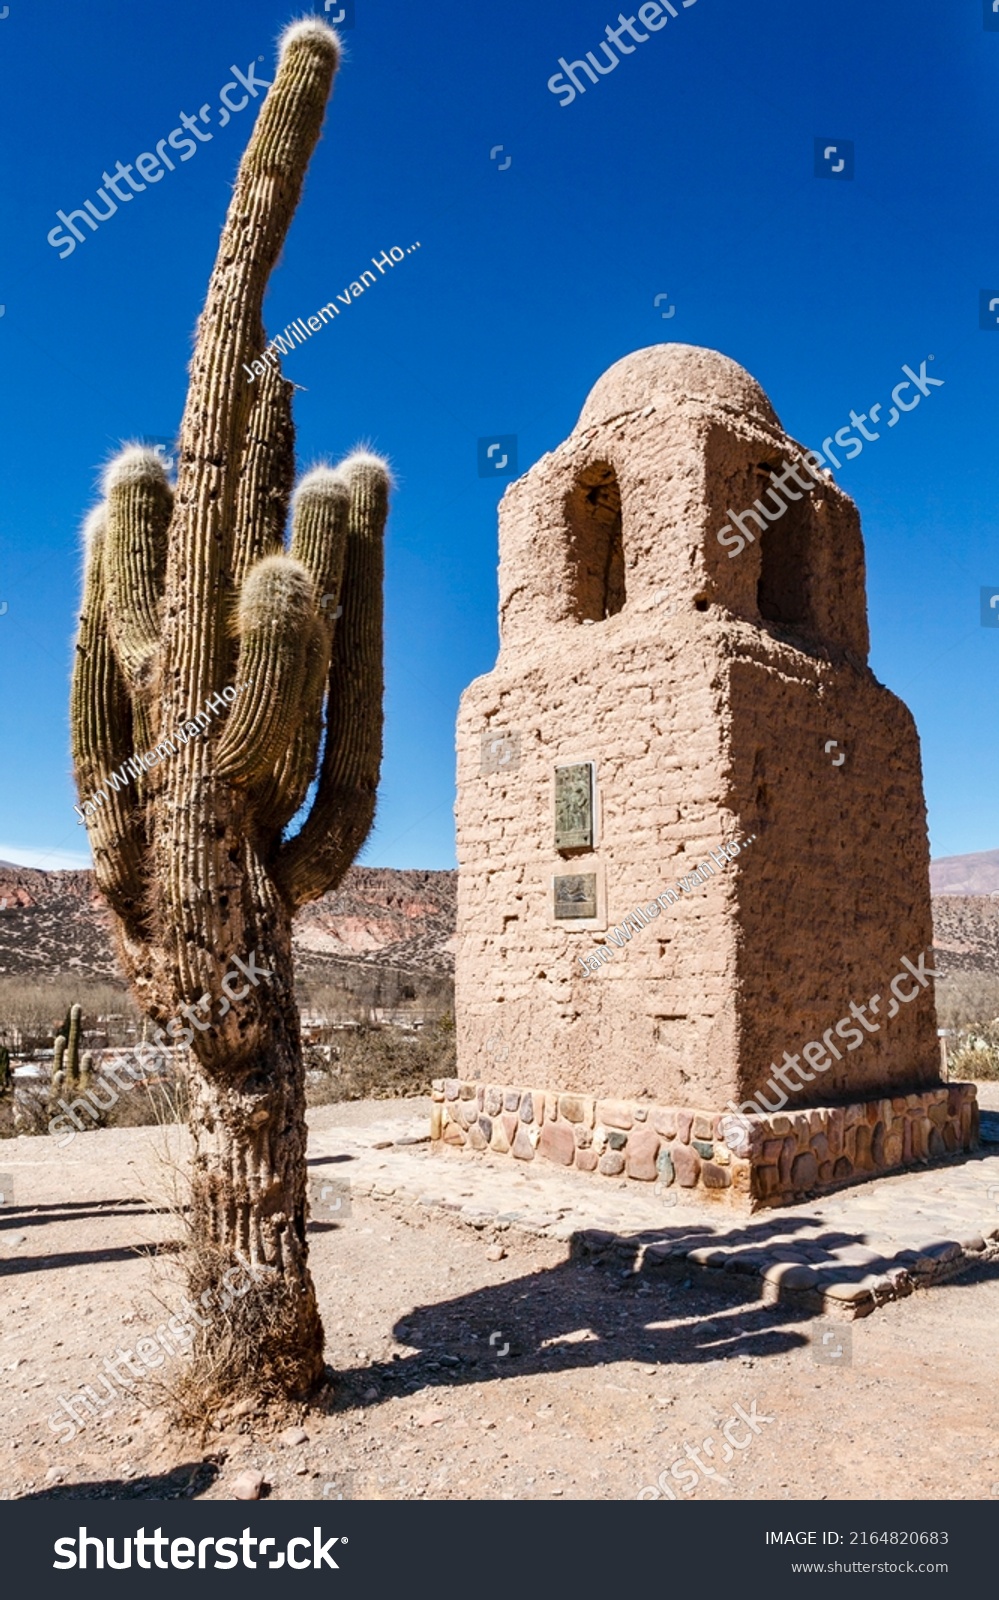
x: 668, y: 374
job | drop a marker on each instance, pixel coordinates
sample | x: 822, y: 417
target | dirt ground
x: 464, y: 1376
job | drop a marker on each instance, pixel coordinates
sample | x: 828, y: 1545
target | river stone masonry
x: 743, y: 1162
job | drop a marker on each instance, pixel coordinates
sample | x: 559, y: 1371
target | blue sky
x: 688, y: 170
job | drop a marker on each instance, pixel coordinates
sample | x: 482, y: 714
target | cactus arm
x: 275, y: 617
x: 344, y: 806
x: 139, y: 502
x: 230, y: 336
x: 101, y: 729
x: 319, y: 538
x: 321, y: 508
x: 278, y: 798
x: 267, y: 474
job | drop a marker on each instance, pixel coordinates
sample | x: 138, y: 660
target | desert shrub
x: 379, y: 1063
x: 967, y: 999
x: 159, y: 1102
x: 975, y: 1052
x: 968, y: 1007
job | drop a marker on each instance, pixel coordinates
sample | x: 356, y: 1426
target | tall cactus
x: 191, y: 591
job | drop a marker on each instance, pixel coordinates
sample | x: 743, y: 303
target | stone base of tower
x: 743, y: 1162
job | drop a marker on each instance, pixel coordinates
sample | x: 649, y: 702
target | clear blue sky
x: 688, y: 170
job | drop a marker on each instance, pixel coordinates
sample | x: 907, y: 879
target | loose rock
x: 248, y: 1486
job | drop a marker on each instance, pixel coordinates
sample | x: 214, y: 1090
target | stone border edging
x: 840, y: 1290
x: 784, y: 1282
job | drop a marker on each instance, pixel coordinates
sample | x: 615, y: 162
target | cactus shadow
x: 78, y: 1211
x: 184, y: 1482
x: 12, y: 1266
x: 590, y: 1312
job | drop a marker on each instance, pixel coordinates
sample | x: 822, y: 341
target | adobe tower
x: 683, y: 669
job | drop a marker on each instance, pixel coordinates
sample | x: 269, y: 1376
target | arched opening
x: 595, y: 545
x: 783, y: 593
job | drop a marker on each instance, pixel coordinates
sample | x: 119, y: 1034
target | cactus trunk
x: 248, y: 1196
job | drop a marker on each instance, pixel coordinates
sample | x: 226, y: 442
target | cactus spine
x: 187, y: 593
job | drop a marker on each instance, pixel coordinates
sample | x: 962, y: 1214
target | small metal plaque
x: 576, y: 896
x: 574, y: 807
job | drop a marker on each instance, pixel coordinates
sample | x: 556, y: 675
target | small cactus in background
x: 189, y: 594
x: 66, y: 1064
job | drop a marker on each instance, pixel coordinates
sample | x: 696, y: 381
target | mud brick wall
x: 704, y: 688
x: 746, y: 1163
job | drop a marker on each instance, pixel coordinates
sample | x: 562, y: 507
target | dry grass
x: 31, y: 1012
x: 28, y: 1109
x: 968, y: 1005
x: 245, y: 1353
x: 379, y: 1063
x: 967, y: 999
x: 242, y: 1358
x: 975, y: 1053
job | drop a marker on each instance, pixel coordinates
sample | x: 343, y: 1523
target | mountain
x: 55, y: 923
x: 967, y: 875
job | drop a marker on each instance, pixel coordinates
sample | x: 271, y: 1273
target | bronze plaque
x: 574, y: 807
x: 576, y: 896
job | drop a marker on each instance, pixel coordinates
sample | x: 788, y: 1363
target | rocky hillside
x: 381, y: 915
x: 966, y: 933
x: 54, y: 924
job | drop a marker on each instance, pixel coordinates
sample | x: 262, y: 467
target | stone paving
x: 843, y: 1254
